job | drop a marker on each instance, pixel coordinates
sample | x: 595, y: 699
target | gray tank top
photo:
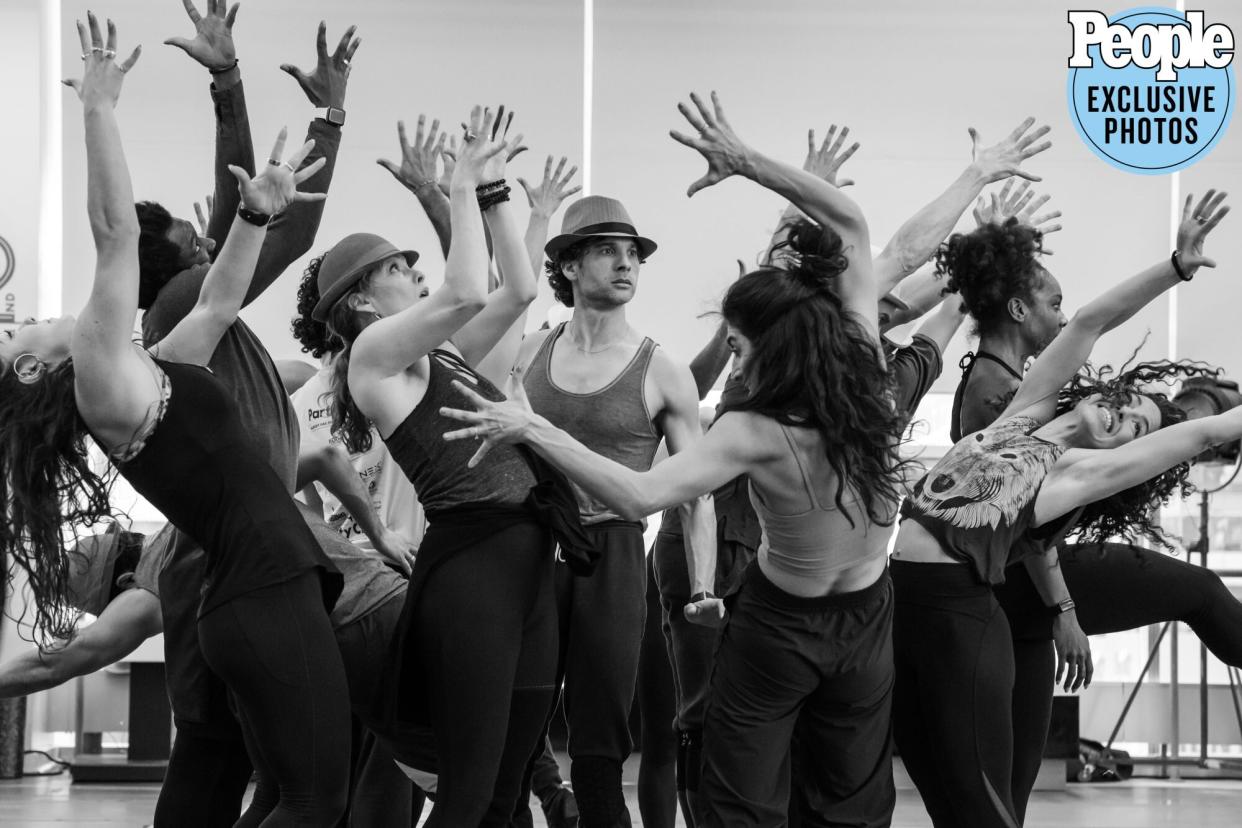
x: 612, y: 421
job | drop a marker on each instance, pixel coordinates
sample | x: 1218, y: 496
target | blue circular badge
x: 1167, y: 97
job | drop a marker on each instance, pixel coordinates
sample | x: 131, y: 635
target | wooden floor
x: 53, y: 801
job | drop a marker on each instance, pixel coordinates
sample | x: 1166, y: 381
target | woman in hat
x: 476, y: 652
x: 808, y: 640
x: 173, y: 432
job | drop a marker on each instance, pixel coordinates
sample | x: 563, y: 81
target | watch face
x: 336, y: 116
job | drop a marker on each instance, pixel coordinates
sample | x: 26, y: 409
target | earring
x: 28, y: 368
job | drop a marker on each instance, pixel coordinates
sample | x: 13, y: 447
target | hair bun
x: 812, y: 254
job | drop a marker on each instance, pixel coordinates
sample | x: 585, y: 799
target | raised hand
x: 1005, y: 157
x: 1195, y: 226
x: 449, y: 157
x: 496, y: 164
x: 212, y: 45
x: 725, y: 153
x: 547, y: 197
x: 204, y: 218
x: 325, y: 86
x: 825, y: 162
x: 481, y: 143
x: 417, y: 169
x: 498, y: 423
x: 275, y: 188
x: 1020, y: 202
x: 102, y: 76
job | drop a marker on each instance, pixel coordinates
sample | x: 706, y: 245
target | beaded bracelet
x: 491, y: 199
x: 491, y: 185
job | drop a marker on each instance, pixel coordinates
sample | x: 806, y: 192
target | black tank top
x: 437, y: 467
x: 202, y: 471
x: 959, y: 396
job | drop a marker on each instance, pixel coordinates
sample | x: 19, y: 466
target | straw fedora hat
x: 595, y: 216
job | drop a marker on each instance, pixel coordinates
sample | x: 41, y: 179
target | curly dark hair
x: 562, y: 288
x: 815, y: 365
x: 1128, y: 513
x: 348, y: 421
x: 49, y: 491
x: 989, y: 266
x: 314, y: 335
x: 158, y: 258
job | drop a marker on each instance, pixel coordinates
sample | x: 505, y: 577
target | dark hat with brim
x: 347, y: 262
x: 593, y: 217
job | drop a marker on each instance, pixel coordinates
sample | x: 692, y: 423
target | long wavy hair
x: 49, y: 490
x: 989, y: 266
x: 314, y: 335
x: 815, y: 365
x: 1128, y: 514
x: 346, y: 323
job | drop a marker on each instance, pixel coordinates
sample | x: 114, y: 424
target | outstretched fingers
x: 278, y: 149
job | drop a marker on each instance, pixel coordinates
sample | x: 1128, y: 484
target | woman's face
x: 1103, y: 424
x: 1044, y: 318
x: 742, y: 349
x: 393, y: 286
x: 48, y: 340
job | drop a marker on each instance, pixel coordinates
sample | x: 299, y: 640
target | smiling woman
x: 1093, y: 449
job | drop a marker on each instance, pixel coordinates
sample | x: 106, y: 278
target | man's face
x: 607, y: 273
x: 195, y: 249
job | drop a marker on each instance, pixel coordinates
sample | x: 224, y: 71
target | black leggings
x: 1116, y: 587
x: 275, y: 650
x: 951, y: 706
x: 204, y: 783
x: 485, y: 638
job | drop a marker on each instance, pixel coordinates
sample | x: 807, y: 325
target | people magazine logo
x: 8, y: 264
x: 1151, y: 90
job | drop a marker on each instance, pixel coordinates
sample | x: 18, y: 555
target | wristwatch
x: 331, y: 114
x: 1063, y: 606
x: 701, y: 596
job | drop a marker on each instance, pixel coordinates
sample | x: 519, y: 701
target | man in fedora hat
x: 619, y: 394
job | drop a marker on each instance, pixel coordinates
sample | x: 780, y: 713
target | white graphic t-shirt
x: 392, y: 494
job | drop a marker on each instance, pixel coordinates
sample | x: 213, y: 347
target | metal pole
x: 1203, y: 654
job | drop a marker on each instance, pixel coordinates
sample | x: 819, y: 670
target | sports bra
x: 819, y: 541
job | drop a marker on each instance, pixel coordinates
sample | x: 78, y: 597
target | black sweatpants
x: 823, y: 666
x: 951, y: 710
x: 601, y: 620
x: 485, y: 639
x: 275, y: 650
x: 657, y: 705
x: 1116, y: 587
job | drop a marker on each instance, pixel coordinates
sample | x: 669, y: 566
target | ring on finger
x: 345, y: 62
x: 109, y: 53
x: 469, y: 136
x: 288, y: 166
x: 275, y: 162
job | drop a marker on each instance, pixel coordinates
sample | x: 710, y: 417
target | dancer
x: 420, y: 172
x: 912, y: 370
x: 618, y: 392
x: 1015, y: 304
x: 173, y: 432
x: 476, y: 652
x: 809, y: 632
x: 389, y: 517
x: 173, y: 262
x: 1107, y: 451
